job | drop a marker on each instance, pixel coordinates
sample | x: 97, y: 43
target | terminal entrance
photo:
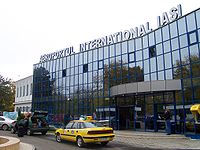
x: 145, y: 112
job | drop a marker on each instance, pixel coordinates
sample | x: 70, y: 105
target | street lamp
x: 69, y: 100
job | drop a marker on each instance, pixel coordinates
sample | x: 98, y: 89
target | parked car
x: 5, y: 123
x: 84, y: 131
x: 36, y: 123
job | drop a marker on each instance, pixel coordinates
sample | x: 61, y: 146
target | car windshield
x: 92, y: 124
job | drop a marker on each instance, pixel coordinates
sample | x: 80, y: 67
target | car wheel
x: 80, y: 141
x: 5, y: 127
x: 29, y: 133
x: 13, y: 131
x: 104, y: 143
x: 58, y: 138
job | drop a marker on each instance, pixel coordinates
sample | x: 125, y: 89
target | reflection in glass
x: 146, y: 66
x: 146, y: 53
x: 167, y: 46
x: 138, y: 43
x: 160, y: 62
x: 175, y: 57
x: 193, y: 37
x: 106, y: 52
x: 161, y: 75
x: 159, y: 49
x: 132, y: 57
x: 194, y: 51
x: 165, y: 32
x: 183, y: 41
x: 184, y: 54
x: 100, y: 50
x: 151, y: 39
x: 181, y: 26
x: 168, y: 74
x: 95, y: 55
x: 131, y: 47
x: 124, y: 47
x: 174, y: 43
x: 191, y: 24
x: 153, y: 64
x: 145, y: 41
x: 146, y: 77
x: 138, y: 55
x: 112, y: 50
x: 158, y: 36
x: 173, y: 29
x: 168, y: 62
x: 153, y: 76
x: 124, y: 58
x: 198, y: 18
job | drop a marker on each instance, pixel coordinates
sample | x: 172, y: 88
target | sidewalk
x: 25, y: 146
x: 155, y: 140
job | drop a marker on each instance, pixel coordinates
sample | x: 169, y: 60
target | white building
x: 23, y: 96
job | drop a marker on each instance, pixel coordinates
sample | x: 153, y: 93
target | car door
x: 73, y: 131
x: 2, y: 120
x: 66, y: 132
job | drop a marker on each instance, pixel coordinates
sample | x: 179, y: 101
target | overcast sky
x: 31, y: 28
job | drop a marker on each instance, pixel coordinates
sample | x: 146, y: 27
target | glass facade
x: 80, y: 83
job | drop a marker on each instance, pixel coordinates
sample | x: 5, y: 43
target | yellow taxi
x: 85, y: 131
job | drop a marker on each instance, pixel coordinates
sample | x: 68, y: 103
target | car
x: 36, y: 123
x: 85, y: 131
x: 5, y: 123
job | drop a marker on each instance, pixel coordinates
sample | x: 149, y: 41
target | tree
x: 7, y: 94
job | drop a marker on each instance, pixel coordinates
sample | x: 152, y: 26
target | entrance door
x: 126, y: 117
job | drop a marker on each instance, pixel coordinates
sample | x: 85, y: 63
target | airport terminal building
x: 129, y: 77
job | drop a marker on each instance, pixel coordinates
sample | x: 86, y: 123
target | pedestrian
x: 94, y: 116
x: 167, y: 117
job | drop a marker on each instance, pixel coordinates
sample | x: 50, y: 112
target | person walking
x: 167, y: 117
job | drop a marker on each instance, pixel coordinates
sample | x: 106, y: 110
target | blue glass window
x: 183, y: 41
x: 198, y: 18
x: 64, y: 73
x: 100, y: 64
x: 85, y: 68
x: 124, y: 47
x: 175, y: 57
x: 106, y: 52
x: 145, y: 41
x: 146, y: 66
x: 159, y: 49
x: 152, y: 51
x: 174, y: 43
x: 181, y: 26
x: 100, y: 50
x: 112, y: 50
x: 160, y: 62
x: 153, y: 77
x: 153, y: 64
x: 173, y: 29
x: 165, y: 32
x: 151, y: 39
x: 194, y: 52
x: 138, y: 43
x: 192, y: 36
x: 146, y: 53
x: 191, y: 24
x: 168, y: 62
x: 132, y: 57
x: 138, y: 55
x: 168, y: 74
x: 158, y: 36
x: 161, y: 75
x: 131, y: 47
x: 124, y: 58
x: 167, y: 46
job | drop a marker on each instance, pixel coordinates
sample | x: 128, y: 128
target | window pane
x: 193, y: 38
x: 166, y: 46
x: 181, y: 26
x: 146, y: 66
x: 198, y: 18
x: 161, y: 75
x: 138, y: 44
x: 118, y: 49
x: 168, y: 63
x: 160, y: 62
x: 112, y: 51
x: 165, y: 31
x: 145, y: 41
x: 106, y: 52
x: 174, y: 44
x: 146, y: 53
x: 153, y: 64
x: 191, y: 22
x: 194, y: 52
x: 158, y: 36
x: 138, y: 55
x: 131, y: 45
x: 132, y: 57
x: 175, y: 57
x: 151, y: 39
x: 173, y: 29
x: 183, y: 41
x: 168, y: 74
x: 184, y: 54
x: 159, y: 49
x: 124, y: 47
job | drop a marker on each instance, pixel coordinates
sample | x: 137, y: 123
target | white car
x: 5, y: 123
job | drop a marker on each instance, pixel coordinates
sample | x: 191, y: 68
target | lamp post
x: 69, y: 100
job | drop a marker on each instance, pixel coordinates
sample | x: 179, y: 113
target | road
x: 48, y: 142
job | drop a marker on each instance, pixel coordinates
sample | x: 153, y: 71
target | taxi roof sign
x: 195, y: 108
